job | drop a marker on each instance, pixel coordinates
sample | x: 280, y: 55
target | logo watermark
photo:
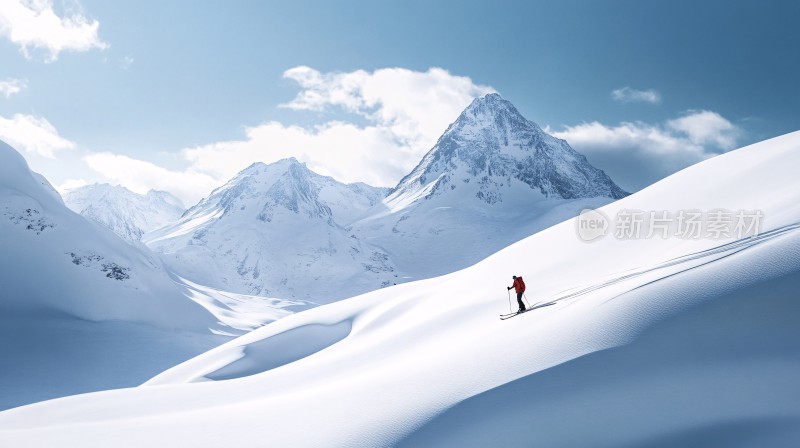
x: 591, y: 225
x: 632, y: 224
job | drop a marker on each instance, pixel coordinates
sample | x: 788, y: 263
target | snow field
x: 652, y: 342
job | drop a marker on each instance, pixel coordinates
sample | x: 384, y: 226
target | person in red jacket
x: 519, y: 287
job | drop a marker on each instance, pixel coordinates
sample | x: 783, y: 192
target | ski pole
x: 510, y: 308
x: 526, y: 300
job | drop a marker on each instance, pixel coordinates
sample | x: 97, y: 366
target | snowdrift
x: 651, y: 342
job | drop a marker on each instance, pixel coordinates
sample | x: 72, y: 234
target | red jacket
x: 519, y: 285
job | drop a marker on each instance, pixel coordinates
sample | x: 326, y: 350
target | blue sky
x: 180, y: 95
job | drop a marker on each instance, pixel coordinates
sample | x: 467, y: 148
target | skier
x: 519, y: 287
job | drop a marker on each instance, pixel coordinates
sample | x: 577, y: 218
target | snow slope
x: 54, y: 259
x: 650, y: 342
x: 124, y: 212
x: 81, y: 310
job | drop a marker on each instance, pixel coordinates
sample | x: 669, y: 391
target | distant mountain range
x: 282, y: 230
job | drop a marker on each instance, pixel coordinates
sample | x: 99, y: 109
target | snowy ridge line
x: 726, y: 250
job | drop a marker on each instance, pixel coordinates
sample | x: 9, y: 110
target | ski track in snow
x: 693, y: 260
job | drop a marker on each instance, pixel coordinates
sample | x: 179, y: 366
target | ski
x: 517, y: 312
x: 510, y: 315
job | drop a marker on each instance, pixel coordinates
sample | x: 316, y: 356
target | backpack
x: 521, y: 284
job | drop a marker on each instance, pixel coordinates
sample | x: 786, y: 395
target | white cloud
x: 638, y: 154
x: 415, y: 106
x: 140, y: 176
x: 406, y: 111
x: 629, y: 95
x: 345, y: 151
x: 11, y: 86
x: 34, y: 24
x: 33, y: 134
x: 707, y: 128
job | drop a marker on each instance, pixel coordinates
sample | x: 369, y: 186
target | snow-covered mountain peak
x: 261, y: 189
x: 295, y: 191
x: 124, y: 212
x: 490, y: 148
x: 165, y: 197
x: 272, y: 225
x: 288, y: 185
x: 493, y: 113
x: 267, y: 169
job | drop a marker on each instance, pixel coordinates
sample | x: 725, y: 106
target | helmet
x: 514, y: 277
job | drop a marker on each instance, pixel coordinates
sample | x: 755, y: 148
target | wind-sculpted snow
x: 240, y: 312
x: 281, y: 349
x: 651, y: 342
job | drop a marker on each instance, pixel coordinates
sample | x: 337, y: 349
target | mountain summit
x: 277, y: 230
x: 491, y: 179
x: 492, y: 145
